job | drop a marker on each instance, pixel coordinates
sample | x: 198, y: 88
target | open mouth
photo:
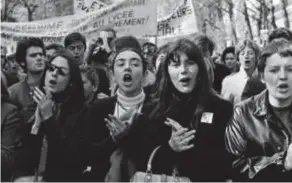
x: 247, y: 62
x: 185, y: 80
x: 127, y: 78
x: 283, y: 86
x: 53, y: 82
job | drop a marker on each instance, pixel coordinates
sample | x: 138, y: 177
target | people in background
x: 75, y: 43
x: 259, y: 135
x: 247, y: 53
x: 90, y: 81
x: 52, y: 49
x: 256, y: 85
x: 229, y: 59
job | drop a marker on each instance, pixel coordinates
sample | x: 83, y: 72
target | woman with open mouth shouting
x: 260, y: 133
x: 113, y: 116
x: 187, y: 122
x: 55, y: 133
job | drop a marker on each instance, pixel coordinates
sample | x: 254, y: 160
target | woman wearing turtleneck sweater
x: 55, y: 138
x: 111, y: 116
x: 188, y: 122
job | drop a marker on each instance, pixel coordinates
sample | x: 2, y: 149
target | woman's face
x: 57, y: 75
x: 230, y: 60
x: 247, y: 58
x: 278, y: 77
x: 183, y: 73
x: 128, y: 72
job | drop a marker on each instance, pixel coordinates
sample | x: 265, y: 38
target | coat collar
x: 263, y: 109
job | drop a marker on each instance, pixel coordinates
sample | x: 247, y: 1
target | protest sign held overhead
x: 181, y: 21
x: 87, y: 6
x: 126, y: 17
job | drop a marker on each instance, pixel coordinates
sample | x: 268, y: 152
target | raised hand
x: 45, y: 103
x: 180, y: 137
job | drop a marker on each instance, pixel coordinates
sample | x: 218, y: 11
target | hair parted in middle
x: 202, y: 90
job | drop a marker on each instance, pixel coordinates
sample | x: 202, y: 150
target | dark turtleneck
x: 182, y: 108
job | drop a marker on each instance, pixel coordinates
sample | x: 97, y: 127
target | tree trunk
x: 230, y: 13
x: 248, y: 24
x: 284, y: 6
x: 259, y: 21
x: 29, y: 14
x: 265, y: 14
x: 273, y: 22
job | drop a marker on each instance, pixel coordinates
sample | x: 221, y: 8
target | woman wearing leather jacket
x: 260, y: 133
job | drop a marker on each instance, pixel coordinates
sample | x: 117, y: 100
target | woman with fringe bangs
x: 187, y: 122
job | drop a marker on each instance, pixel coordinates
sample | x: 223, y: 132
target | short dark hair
x: 280, y: 46
x: 227, y: 50
x: 280, y: 33
x: 91, y: 74
x: 54, y: 46
x: 204, y: 43
x: 21, y: 50
x: 73, y: 37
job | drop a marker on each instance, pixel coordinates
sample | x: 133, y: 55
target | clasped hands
x: 118, y: 126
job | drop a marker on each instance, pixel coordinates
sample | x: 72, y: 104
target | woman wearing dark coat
x: 187, y: 121
x: 10, y: 138
x: 57, y: 130
x: 105, y: 115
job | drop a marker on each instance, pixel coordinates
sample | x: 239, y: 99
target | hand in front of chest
x: 118, y: 126
x: 288, y: 159
x: 45, y: 104
x: 180, y: 137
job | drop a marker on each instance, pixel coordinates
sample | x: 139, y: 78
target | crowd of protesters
x: 96, y: 110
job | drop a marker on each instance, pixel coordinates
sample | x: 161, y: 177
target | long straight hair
x: 202, y: 90
x: 74, y: 92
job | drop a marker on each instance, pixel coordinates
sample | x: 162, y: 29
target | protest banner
x: 182, y: 21
x: 127, y: 18
x: 87, y: 6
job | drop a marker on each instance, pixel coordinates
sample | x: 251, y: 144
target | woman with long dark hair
x: 187, y: 122
x: 60, y: 100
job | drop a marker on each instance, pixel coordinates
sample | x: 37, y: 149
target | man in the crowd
x: 75, y: 43
x: 259, y: 136
x: 255, y: 86
x: 149, y: 49
x: 52, y: 49
x: 30, y: 54
x: 217, y: 72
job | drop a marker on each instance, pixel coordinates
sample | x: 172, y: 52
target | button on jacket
x: 258, y: 140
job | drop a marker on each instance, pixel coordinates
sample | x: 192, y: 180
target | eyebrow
x: 66, y: 68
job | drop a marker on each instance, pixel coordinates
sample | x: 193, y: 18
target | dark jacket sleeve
x: 10, y: 140
x: 237, y: 143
